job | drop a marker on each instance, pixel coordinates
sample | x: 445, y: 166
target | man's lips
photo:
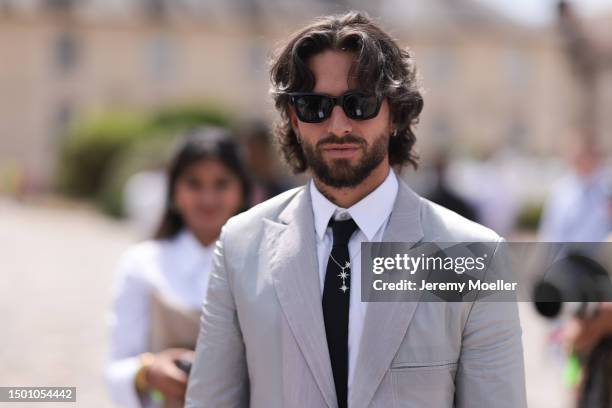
x: 344, y: 150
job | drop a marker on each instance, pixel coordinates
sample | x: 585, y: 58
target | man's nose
x: 339, y: 124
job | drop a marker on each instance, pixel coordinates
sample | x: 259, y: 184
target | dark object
x: 597, y: 386
x: 183, y: 365
x: 261, y: 160
x: 581, y: 281
x: 336, y: 297
x: 312, y: 107
x: 572, y: 284
x: 443, y: 196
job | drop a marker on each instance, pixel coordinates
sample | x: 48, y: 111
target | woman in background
x: 161, y: 283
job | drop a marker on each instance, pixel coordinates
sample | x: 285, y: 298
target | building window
x: 161, y: 58
x: 155, y: 8
x: 516, y: 67
x: 517, y: 133
x: 6, y: 7
x: 59, y: 5
x: 61, y: 121
x: 67, y: 50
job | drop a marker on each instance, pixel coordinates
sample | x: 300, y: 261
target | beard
x: 340, y: 173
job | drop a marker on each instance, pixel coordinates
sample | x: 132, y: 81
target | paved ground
x: 56, y: 267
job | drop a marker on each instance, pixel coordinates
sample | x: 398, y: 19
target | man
x: 283, y: 324
x: 579, y: 206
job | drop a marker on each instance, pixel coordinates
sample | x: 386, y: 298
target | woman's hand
x: 163, y: 374
x: 582, y: 335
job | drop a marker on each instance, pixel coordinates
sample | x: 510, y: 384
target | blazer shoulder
x: 441, y: 224
x: 252, y: 219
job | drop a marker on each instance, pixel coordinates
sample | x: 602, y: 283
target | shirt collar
x: 369, y: 213
x: 191, y: 251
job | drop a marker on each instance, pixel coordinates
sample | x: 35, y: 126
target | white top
x: 371, y: 215
x: 578, y: 209
x: 179, y: 270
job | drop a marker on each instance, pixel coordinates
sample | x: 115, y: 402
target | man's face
x: 340, y: 151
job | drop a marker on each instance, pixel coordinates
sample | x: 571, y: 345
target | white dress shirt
x: 178, y: 269
x: 578, y: 209
x: 371, y: 214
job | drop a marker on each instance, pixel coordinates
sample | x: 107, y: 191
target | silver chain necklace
x: 343, y: 274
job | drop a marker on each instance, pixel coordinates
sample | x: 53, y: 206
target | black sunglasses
x: 312, y: 107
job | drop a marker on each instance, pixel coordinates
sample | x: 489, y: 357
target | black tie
x: 336, y: 296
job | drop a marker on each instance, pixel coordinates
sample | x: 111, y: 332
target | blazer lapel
x: 386, y: 322
x: 294, y: 269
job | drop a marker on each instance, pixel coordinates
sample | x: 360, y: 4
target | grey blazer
x: 262, y: 340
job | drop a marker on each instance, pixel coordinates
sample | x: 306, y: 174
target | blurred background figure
x: 160, y: 283
x: 488, y: 184
x: 497, y: 199
x: 261, y: 158
x: 589, y: 55
x: 445, y: 195
x: 590, y: 338
x: 579, y: 209
x: 579, y: 206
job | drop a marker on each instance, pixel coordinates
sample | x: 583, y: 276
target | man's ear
x: 293, y: 118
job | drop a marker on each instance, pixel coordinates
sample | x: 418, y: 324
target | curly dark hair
x: 382, y: 67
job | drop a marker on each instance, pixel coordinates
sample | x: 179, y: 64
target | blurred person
x: 579, y: 206
x: 444, y: 195
x: 283, y: 323
x: 580, y: 47
x: 589, y: 339
x: 582, y: 334
x: 579, y: 209
x: 493, y: 192
x: 262, y: 163
x: 589, y: 56
x: 160, y: 283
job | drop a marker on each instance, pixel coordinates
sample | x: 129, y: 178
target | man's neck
x: 347, y: 197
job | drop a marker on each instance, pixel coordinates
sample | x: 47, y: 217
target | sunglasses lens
x: 313, y: 108
x: 361, y: 107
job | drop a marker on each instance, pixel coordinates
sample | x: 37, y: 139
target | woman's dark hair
x: 203, y: 143
x: 380, y: 67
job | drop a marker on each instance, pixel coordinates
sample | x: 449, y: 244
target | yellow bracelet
x: 146, y: 360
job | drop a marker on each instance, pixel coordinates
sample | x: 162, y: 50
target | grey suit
x: 262, y: 340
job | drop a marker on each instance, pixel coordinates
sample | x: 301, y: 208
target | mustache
x: 334, y: 139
